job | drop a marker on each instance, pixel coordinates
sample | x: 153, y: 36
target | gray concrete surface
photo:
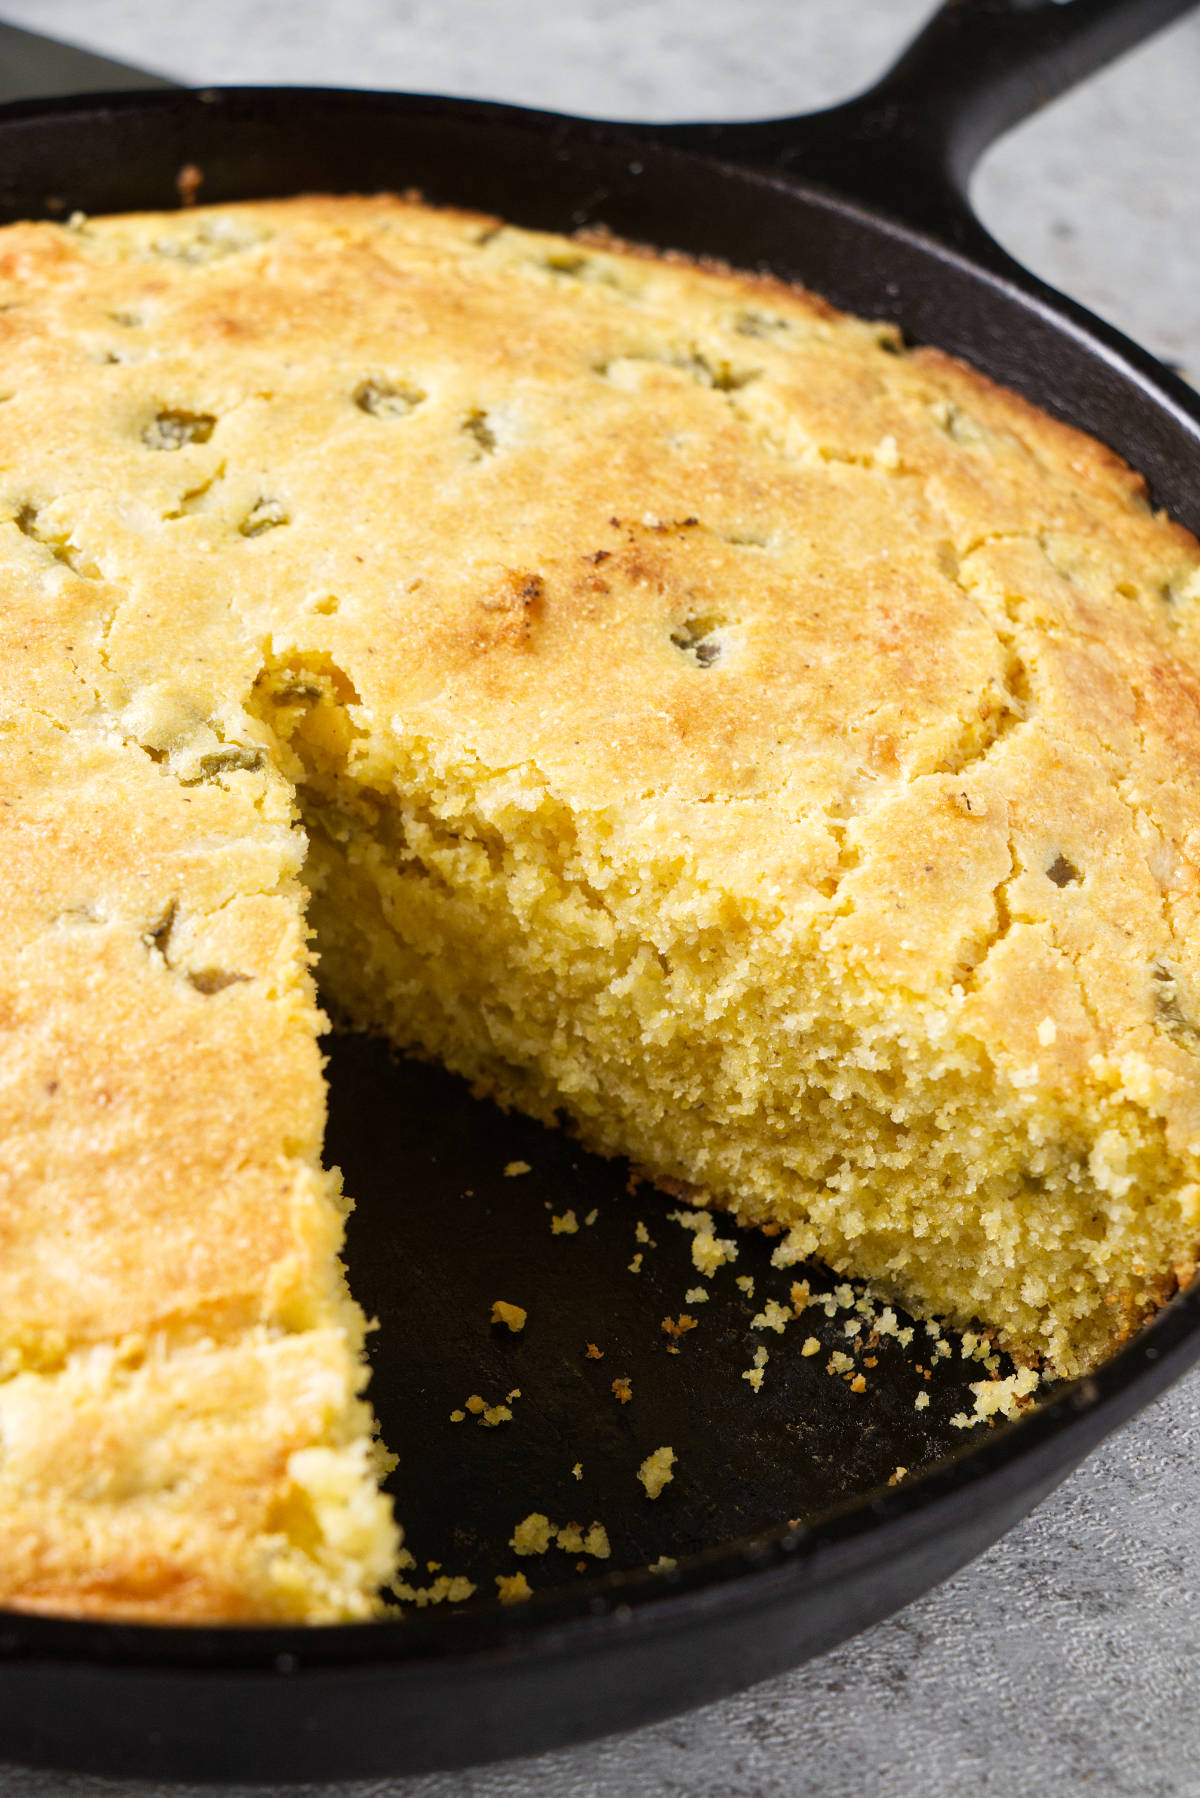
x: 1067, y: 1660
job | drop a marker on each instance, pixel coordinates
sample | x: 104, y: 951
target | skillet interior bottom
x: 440, y: 1232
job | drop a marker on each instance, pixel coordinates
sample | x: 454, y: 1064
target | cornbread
x: 655, y: 1471
x: 683, y: 710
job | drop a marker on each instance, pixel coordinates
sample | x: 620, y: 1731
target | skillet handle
x: 908, y: 145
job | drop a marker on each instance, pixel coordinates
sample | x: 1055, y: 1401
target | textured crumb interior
x: 470, y: 916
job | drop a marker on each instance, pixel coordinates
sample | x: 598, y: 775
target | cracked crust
x: 812, y: 692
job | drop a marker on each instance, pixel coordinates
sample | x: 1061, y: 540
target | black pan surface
x: 786, y: 1532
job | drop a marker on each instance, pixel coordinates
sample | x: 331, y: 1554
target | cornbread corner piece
x: 694, y: 716
x: 183, y: 1436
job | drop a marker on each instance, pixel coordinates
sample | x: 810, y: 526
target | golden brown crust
x: 174, y: 1487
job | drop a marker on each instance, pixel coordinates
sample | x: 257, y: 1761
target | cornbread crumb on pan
x: 513, y: 1588
x: 683, y: 710
x: 514, y: 1316
x: 535, y: 1534
x: 709, y: 1251
x: 999, y: 1398
x: 446, y: 1589
x: 656, y: 1472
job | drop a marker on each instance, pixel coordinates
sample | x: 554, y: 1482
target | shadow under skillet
x: 440, y: 1231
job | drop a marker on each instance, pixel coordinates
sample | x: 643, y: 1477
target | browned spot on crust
x: 513, y: 604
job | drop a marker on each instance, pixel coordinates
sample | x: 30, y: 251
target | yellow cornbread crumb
x: 512, y: 1315
x: 696, y: 1295
x: 513, y: 1588
x: 811, y: 1346
x: 512, y: 1169
x: 488, y: 1416
x: 448, y: 1589
x: 532, y: 1535
x: 574, y: 1540
x: 535, y: 1534
x: 773, y: 1316
x: 999, y: 1397
x: 755, y: 1374
x: 596, y: 1543
x: 655, y: 1471
x: 635, y: 1266
x: 664, y: 1564
x: 709, y: 1251
x: 566, y: 1225
x: 622, y: 1389
x: 577, y: 1470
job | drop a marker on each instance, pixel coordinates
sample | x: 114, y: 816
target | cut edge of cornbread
x: 715, y: 1042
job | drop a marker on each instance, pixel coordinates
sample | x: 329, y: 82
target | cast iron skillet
x: 866, y: 204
